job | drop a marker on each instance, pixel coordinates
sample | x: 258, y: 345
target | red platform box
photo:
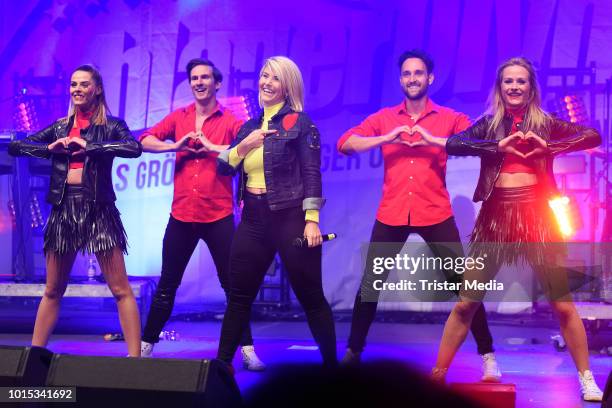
x: 489, y: 395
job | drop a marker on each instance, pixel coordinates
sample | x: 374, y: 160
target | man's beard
x: 418, y: 96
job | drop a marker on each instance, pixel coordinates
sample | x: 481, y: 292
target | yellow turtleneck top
x: 253, y: 161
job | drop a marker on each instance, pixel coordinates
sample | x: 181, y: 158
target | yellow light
x: 561, y: 208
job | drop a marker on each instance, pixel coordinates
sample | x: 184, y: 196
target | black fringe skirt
x: 81, y: 225
x: 516, y: 223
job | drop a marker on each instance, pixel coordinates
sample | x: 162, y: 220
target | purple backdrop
x: 347, y: 52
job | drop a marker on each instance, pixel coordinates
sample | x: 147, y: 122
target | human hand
x: 312, y: 233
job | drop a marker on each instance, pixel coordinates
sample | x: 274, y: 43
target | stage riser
x: 142, y: 288
x: 488, y: 394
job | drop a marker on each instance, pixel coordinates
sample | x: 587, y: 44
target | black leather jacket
x: 292, y: 161
x: 561, y: 137
x: 104, y: 142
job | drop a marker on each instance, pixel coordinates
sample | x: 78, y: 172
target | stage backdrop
x: 347, y: 51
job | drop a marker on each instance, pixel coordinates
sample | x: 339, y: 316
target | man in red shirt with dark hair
x: 202, y: 203
x: 415, y: 199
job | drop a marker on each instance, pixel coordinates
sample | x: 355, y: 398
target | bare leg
x: 58, y: 271
x: 558, y: 292
x: 554, y: 282
x: 460, y: 319
x: 573, y: 332
x: 455, y: 331
x: 113, y: 267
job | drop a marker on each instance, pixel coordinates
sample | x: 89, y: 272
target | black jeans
x: 260, y: 234
x: 444, y: 232
x: 180, y: 240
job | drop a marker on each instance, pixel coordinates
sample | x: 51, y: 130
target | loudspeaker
x: 607, y: 395
x: 24, y: 366
x: 488, y: 394
x: 108, y: 381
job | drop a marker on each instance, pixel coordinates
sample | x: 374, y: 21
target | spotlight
x: 244, y: 107
x: 567, y: 215
x: 570, y: 108
x: 25, y: 118
x: 237, y: 106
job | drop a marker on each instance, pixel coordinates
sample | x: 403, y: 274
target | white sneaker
x: 146, y: 349
x: 588, y: 387
x: 490, y: 369
x: 250, y: 361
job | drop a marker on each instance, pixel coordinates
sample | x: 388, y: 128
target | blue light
x: 188, y: 6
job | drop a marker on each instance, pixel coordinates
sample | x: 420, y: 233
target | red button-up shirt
x: 414, y: 189
x: 200, y: 194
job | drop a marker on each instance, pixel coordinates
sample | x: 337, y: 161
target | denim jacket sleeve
x: 473, y: 141
x: 309, y: 152
x: 121, y: 143
x: 223, y: 163
x: 566, y: 137
x: 35, y: 145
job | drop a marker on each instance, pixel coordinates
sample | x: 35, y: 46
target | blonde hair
x: 535, y: 117
x: 290, y: 78
x: 100, y: 104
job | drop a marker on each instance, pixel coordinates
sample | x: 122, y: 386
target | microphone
x: 301, y: 242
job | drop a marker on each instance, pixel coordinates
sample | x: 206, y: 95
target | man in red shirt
x: 202, y: 203
x: 414, y: 199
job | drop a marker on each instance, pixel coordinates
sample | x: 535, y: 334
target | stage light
x: 24, y: 118
x: 570, y: 108
x: 237, y: 105
x: 564, y: 214
x: 12, y: 212
x: 37, y: 218
x: 244, y: 107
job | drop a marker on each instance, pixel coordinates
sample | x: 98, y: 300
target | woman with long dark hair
x: 280, y: 158
x: 517, y: 142
x: 84, y: 218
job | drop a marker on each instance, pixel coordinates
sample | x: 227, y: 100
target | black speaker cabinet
x: 24, y: 366
x: 145, y: 382
x: 607, y: 396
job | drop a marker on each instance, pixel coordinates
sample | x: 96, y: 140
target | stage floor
x: 526, y: 356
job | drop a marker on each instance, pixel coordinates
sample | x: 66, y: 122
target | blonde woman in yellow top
x: 278, y: 156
